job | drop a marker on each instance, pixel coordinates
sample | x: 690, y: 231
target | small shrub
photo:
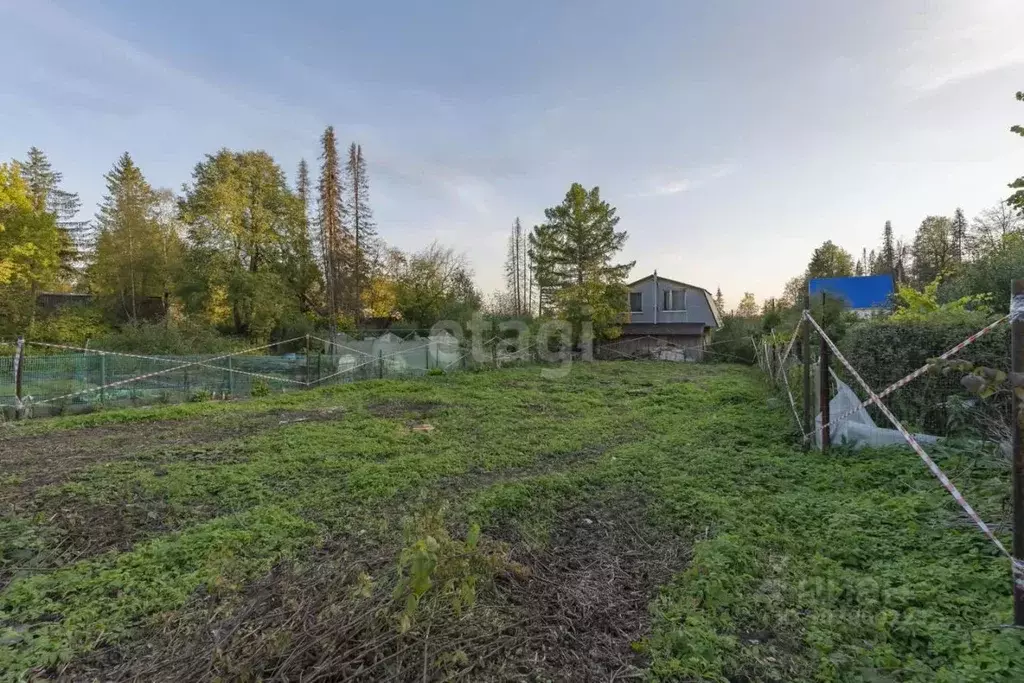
x: 259, y: 388
x: 200, y: 396
x: 886, y: 350
x: 435, y: 372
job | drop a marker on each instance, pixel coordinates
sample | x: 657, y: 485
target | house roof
x: 711, y: 300
x: 869, y: 291
x: 666, y: 279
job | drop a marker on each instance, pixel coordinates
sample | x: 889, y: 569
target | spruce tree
x: 331, y: 217
x: 958, y: 235
x: 361, y: 222
x: 887, y: 256
x: 47, y: 195
x: 720, y: 300
x: 129, y: 261
x: 573, y: 253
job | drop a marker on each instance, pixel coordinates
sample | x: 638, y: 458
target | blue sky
x: 733, y: 136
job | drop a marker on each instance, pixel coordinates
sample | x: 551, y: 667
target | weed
x: 259, y: 388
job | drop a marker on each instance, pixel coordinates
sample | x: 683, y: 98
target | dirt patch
x: 570, y: 612
x: 31, y: 462
x: 402, y: 408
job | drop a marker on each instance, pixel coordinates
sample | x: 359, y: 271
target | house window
x: 675, y: 300
x: 636, y: 302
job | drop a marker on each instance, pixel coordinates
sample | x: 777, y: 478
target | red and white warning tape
x: 899, y: 384
x: 1018, y: 565
x: 178, y: 366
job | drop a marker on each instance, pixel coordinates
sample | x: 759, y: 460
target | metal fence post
x: 1017, y: 383
x: 380, y: 363
x: 805, y: 342
x: 823, y: 393
x: 103, y: 377
x: 19, y: 362
x: 427, y: 349
x: 231, y: 379
x: 307, y: 360
x: 319, y: 359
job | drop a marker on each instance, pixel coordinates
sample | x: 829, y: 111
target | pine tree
x: 719, y: 300
x: 331, y: 216
x: 46, y: 194
x: 361, y: 220
x: 958, y: 235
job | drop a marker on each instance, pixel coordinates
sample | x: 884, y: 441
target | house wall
x: 697, y: 308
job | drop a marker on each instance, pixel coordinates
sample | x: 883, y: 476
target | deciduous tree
x: 242, y: 218
x: 829, y: 260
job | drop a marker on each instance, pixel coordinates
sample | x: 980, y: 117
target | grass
x: 785, y: 565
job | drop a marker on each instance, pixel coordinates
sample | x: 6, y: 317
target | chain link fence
x: 58, y: 379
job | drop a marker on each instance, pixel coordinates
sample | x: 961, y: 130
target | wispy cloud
x: 667, y: 184
x: 964, y: 42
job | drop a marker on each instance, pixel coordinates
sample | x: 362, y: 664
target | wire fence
x: 59, y: 379
x: 777, y: 363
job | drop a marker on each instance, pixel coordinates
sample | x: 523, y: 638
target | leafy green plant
x: 435, y: 564
x: 435, y: 372
x: 259, y: 388
x: 200, y: 396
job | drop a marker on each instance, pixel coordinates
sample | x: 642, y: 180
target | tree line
x: 239, y: 248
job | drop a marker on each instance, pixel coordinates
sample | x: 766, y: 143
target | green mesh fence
x: 56, y: 383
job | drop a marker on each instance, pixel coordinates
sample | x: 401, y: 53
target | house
x: 668, y: 319
x: 864, y: 295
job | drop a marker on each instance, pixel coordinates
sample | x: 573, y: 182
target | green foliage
x: 433, y: 566
x: 103, y: 599
x: 30, y: 251
x: 732, y: 343
x: 573, y: 252
x: 798, y: 567
x: 829, y: 260
x: 924, y: 305
x: 884, y: 351
x: 933, y: 250
x: 435, y: 284
x: 243, y: 220
x: 72, y: 326
x: 1017, y: 198
x: 174, y: 338
x: 200, y: 396
x: 259, y: 388
x: 138, y: 249
x: 989, y: 274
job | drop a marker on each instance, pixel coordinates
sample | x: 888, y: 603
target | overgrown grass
x: 854, y: 566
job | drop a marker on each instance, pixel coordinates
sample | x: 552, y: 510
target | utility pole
x: 1017, y: 384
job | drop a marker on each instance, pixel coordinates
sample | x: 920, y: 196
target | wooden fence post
x: 103, y: 377
x: 823, y: 393
x: 231, y: 379
x: 1017, y: 383
x: 19, y: 362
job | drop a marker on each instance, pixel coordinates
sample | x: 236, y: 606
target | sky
x: 732, y: 136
